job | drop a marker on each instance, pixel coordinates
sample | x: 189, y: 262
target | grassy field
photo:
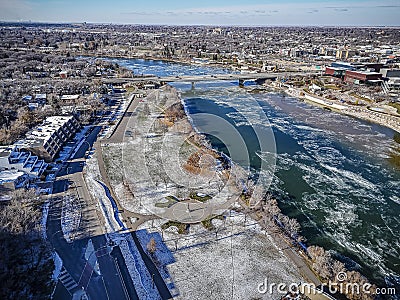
x: 155, y: 163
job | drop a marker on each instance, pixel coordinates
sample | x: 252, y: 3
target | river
x: 337, y: 175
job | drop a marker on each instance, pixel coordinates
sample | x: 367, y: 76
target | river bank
x: 303, y: 179
x: 391, y: 121
x: 288, y: 245
x: 278, y: 226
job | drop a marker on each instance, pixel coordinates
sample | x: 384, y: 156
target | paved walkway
x: 117, y: 137
x: 92, y: 223
x: 119, y: 131
x: 126, y: 214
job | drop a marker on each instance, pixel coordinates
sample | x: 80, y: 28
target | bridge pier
x: 193, y: 85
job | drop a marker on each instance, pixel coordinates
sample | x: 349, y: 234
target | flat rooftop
x: 337, y: 68
x: 69, y: 97
x: 5, y: 151
x: 366, y: 72
x: 43, y: 132
x: 10, y: 175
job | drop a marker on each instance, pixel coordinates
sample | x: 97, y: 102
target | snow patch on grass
x: 226, y: 263
x: 137, y: 269
x: 43, y: 223
x: 70, y: 217
x: 58, y: 263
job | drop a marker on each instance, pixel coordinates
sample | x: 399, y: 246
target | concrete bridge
x: 258, y: 77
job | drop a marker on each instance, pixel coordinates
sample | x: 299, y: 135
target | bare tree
x: 25, y: 260
x: 293, y: 227
x: 152, y: 246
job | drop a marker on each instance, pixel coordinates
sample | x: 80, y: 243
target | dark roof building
x: 361, y: 76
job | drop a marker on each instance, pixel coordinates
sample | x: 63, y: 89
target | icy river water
x: 335, y: 174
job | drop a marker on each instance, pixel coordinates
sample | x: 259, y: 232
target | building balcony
x: 30, y: 162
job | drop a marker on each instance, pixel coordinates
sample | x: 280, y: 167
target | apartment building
x: 18, y: 167
x: 46, y: 140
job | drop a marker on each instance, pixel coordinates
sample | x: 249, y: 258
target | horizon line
x: 196, y: 25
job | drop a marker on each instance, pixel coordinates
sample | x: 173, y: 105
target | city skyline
x: 264, y: 13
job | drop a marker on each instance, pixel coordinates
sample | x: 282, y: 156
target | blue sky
x: 208, y: 12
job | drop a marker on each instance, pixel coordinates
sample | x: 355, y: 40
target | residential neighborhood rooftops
x: 69, y: 97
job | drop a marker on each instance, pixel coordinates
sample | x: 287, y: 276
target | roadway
x: 111, y: 284
x: 106, y: 286
x: 119, y: 131
x: 114, y: 281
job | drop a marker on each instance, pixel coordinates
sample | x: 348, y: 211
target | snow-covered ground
x: 91, y: 176
x: 149, y: 166
x: 58, y: 263
x: 70, y: 216
x: 43, y: 226
x: 137, y: 269
x: 228, y: 262
x: 162, y: 255
x: 43, y: 223
x: 227, y: 265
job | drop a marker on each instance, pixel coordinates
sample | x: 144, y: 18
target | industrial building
x: 362, y: 77
x: 356, y: 73
x: 335, y: 71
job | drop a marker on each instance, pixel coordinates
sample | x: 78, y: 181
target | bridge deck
x: 197, y: 78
